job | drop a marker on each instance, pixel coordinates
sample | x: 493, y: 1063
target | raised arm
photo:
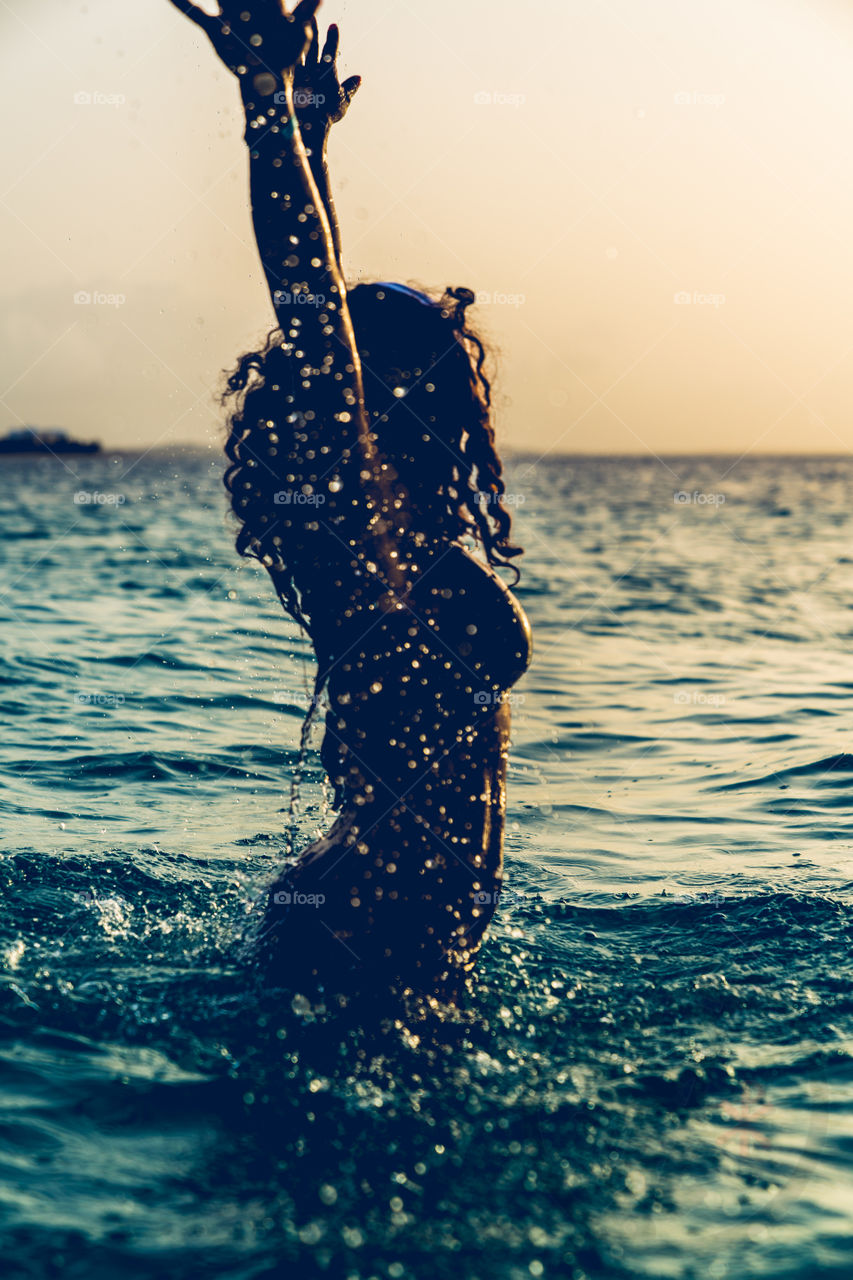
x: 326, y: 399
x: 321, y: 100
x: 261, y: 48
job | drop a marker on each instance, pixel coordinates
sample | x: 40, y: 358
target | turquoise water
x: 654, y: 1075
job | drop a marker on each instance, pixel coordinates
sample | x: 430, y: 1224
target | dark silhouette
x: 38, y: 440
x: 361, y: 453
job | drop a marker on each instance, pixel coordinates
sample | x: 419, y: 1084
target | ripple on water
x: 655, y: 1070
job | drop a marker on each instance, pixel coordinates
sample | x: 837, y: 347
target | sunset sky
x: 657, y: 197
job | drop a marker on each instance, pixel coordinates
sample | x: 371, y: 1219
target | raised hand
x: 318, y: 95
x: 263, y: 39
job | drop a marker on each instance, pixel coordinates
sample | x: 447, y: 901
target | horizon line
x: 509, y: 453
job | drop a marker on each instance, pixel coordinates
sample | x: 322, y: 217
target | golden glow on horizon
x: 591, y: 171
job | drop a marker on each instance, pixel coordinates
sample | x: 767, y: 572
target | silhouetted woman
x: 362, y: 456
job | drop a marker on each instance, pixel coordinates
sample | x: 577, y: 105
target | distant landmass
x: 36, y: 440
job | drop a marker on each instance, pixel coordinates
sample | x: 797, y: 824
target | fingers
x: 303, y: 16
x: 196, y: 15
x: 311, y: 56
x: 350, y: 88
x: 333, y: 39
x: 305, y: 11
x: 300, y: 19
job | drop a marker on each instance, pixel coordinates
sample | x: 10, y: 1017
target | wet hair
x: 429, y: 405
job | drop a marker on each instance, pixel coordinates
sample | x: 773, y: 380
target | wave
x: 828, y: 771
x: 247, y: 761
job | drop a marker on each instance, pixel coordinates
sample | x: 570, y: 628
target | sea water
x: 654, y: 1074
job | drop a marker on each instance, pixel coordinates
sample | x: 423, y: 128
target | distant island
x: 33, y: 440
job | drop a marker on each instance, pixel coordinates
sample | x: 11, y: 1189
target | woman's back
x: 355, y: 503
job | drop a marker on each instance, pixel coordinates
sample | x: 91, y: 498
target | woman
x: 361, y: 456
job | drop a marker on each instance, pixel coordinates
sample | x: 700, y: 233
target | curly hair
x: 429, y: 403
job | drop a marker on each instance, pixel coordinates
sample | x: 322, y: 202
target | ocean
x: 653, y: 1076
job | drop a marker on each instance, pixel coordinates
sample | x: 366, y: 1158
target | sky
x: 654, y: 202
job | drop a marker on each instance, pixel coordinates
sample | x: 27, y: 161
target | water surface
x: 654, y: 1076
